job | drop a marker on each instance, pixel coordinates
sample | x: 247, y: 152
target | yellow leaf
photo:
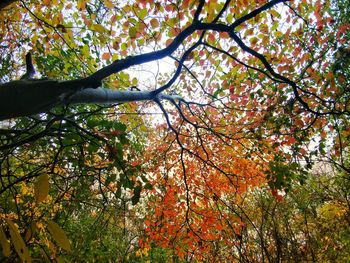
x: 86, y: 52
x: 41, y: 188
x: 144, y: 128
x: 108, y: 4
x: 274, y: 13
x: 115, y: 57
x: 134, y: 81
x: 34, y: 39
x: 59, y: 235
x: 278, y: 34
x: 81, y: 5
x: 99, y: 28
x: 5, y: 244
x: 18, y: 242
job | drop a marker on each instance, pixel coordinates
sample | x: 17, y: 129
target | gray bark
x: 108, y: 96
x: 30, y: 96
x: 26, y: 97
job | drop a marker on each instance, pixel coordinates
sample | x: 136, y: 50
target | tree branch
x: 30, y: 68
x: 5, y: 3
x: 108, y: 96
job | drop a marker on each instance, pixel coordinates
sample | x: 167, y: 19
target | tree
x: 249, y: 91
x: 309, y: 224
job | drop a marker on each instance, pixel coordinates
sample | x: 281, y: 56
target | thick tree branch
x: 26, y: 97
x: 5, y: 3
x: 108, y: 96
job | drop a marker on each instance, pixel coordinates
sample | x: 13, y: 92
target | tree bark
x: 27, y: 97
x: 30, y: 96
x: 5, y: 3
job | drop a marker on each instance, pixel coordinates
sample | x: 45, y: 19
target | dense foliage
x: 230, y: 104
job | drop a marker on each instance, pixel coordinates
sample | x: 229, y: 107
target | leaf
x: 120, y: 126
x: 134, y: 81
x: 253, y: 40
x: 106, y: 56
x: 5, y: 244
x: 142, y: 13
x: 274, y: 13
x: 59, y: 235
x: 211, y: 38
x: 132, y: 32
x: 137, y: 193
x: 81, y: 4
x: 30, y: 232
x: 110, y: 178
x: 217, y: 92
x: 118, y: 193
x: 108, y: 4
x: 154, y: 23
x: 168, y: 42
x: 18, y: 242
x: 41, y: 188
x: 148, y: 186
x: 99, y: 28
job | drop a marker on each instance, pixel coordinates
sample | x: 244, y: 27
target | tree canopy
x: 154, y: 122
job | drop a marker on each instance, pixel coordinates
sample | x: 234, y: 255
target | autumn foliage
x: 234, y: 102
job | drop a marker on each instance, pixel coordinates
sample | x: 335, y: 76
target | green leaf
x: 137, y: 193
x: 217, y: 92
x: 110, y: 178
x: 142, y: 13
x: 120, y: 126
x: 148, y: 186
x: 229, y: 18
x: 144, y: 179
x: 118, y: 193
x: 91, y: 123
x: 132, y: 32
x: 99, y: 28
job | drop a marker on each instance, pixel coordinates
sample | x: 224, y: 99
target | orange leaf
x: 106, y: 56
x: 154, y: 22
